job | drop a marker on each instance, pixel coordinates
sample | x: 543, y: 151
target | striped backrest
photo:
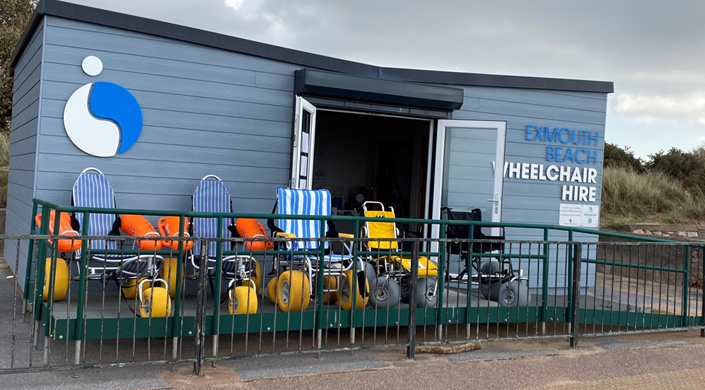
x: 210, y: 196
x: 304, y: 202
x: 93, y: 190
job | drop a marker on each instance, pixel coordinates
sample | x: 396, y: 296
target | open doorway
x: 362, y: 157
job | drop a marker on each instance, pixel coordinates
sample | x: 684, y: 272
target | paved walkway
x: 670, y: 360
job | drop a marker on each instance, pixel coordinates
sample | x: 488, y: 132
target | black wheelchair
x: 496, y: 277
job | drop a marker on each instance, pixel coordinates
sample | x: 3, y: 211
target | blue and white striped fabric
x: 93, y: 190
x: 211, y: 196
x: 304, y: 202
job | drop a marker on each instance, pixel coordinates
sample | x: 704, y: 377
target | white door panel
x: 304, y: 141
x: 466, y: 176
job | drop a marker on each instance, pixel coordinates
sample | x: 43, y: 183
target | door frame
x: 302, y: 103
x: 297, y: 150
x: 437, y: 190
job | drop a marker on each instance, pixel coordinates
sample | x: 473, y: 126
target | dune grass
x: 632, y: 197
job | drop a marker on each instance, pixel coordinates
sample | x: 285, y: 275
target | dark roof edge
x: 206, y: 38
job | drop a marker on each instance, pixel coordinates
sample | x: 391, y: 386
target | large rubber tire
x: 405, y: 288
x: 294, y: 291
x: 168, y: 273
x: 129, y: 287
x: 243, y: 300
x: 61, y: 280
x: 514, y: 294
x: 155, y: 302
x: 271, y: 287
x: 370, y: 274
x: 346, y: 293
x: 426, y: 292
x: 488, y: 289
x: 330, y: 282
x: 385, y: 293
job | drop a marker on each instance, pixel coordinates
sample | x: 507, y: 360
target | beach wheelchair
x: 66, y: 247
x: 496, y: 277
x: 295, y: 275
x: 393, y: 281
x: 241, y: 271
x: 137, y: 276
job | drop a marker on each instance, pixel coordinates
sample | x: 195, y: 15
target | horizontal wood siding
x: 206, y: 111
x: 23, y: 149
x: 533, y: 201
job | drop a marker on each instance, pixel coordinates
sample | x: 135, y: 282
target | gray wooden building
x: 523, y: 149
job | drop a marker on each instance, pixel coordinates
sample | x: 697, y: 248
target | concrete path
x: 669, y: 360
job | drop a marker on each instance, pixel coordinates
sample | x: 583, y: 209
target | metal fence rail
x: 541, y: 289
x: 232, y: 297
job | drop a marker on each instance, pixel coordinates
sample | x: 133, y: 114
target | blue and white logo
x: 102, y: 119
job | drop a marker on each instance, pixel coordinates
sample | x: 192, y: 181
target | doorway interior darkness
x: 362, y: 157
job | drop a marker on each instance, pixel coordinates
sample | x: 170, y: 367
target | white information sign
x: 579, y: 215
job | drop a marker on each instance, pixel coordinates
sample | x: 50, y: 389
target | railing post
x: 40, y: 264
x: 544, y: 283
x: 468, y: 267
x: 702, y: 310
x: 570, y: 279
x: 411, y: 349
x: 319, y: 288
x: 685, y: 320
x: 440, y: 283
x: 218, y: 271
x: 575, y: 302
x: 176, y: 320
x: 80, y: 305
x: 200, y: 336
x: 356, y: 234
x: 28, y: 266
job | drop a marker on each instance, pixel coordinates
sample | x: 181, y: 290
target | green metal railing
x: 47, y: 250
x: 443, y: 224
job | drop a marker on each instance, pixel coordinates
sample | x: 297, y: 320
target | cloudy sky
x: 654, y: 51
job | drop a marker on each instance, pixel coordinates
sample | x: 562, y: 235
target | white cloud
x: 234, y: 4
x: 656, y: 108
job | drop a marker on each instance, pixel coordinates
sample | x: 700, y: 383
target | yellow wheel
x: 346, y: 300
x: 155, y: 302
x: 61, y: 280
x: 271, y: 286
x: 330, y: 283
x: 168, y: 273
x: 129, y: 287
x: 257, y: 276
x: 294, y: 292
x: 243, y: 300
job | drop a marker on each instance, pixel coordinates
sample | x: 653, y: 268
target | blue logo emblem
x: 102, y: 119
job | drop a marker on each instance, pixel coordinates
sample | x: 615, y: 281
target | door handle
x: 495, y: 200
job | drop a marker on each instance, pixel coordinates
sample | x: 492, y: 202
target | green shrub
x: 675, y: 163
x: 616, y: 156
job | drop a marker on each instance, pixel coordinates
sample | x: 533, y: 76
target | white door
x: 469, y: 167
x: 304, y: 140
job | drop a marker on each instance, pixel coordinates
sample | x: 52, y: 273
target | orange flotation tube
x: 138, y: 226
x: 250, y: 228
x: 65, y: 229
x: 169, y: 227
